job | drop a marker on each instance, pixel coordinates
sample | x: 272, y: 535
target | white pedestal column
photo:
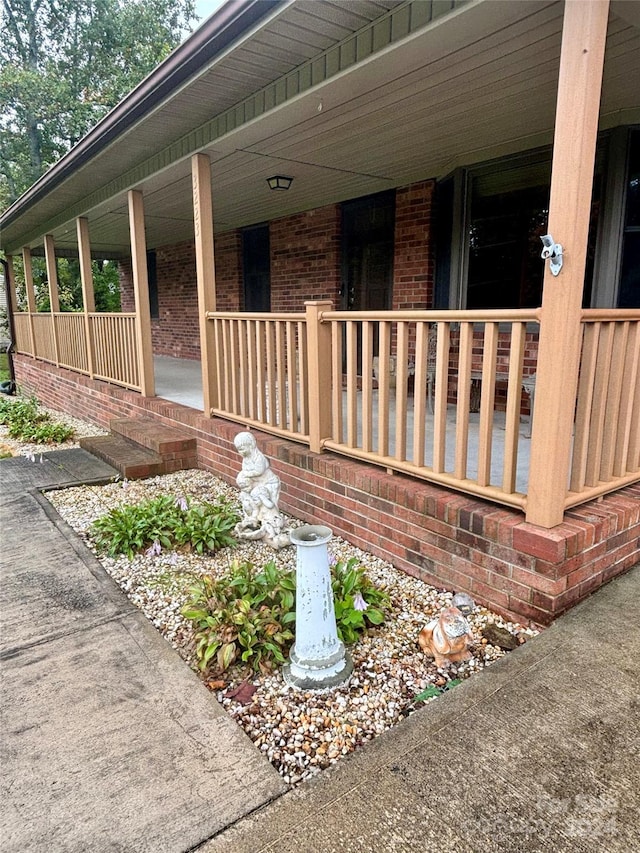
x: 318, y: 659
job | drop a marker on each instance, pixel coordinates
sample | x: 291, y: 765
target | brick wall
x: 305, y: 258
x: 447, y: 539
x: 413, y: 261
x: 175, y: 332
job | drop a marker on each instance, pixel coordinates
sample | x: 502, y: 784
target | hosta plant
x: 164, y: 522
x: 248, y: 615
x: 26, y: 422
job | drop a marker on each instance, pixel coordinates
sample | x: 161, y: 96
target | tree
x: 64, y: 64
x: 106, y: 285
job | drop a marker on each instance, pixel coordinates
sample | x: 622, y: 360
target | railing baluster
x: 614, y: 391
x: 441, y: 397
x: 352, y: 384
x: 271, y: 375
x: 384, y: 355
x: 402, y: 376
x: 261, y: 359
x: 303, y: 378
x: 514, y: 396
x: 337, y: 425
x: 596, y: 433
x: 420, y: 392
x: 367, y: 386
x: 626, y: 439
x: 463, y: 399
x: 291, y: 422
x: 487, y: 403
x: 281, y: 376
x: 243, y: 372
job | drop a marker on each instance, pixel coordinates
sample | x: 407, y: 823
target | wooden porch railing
x: 418, y: 421
x: 414, y: 419
x: 606, y: 446
x: 261, y: 371
x: 72, y: 342
x: 61, y: 338
x: 115, y: 359
x: 22, y: 325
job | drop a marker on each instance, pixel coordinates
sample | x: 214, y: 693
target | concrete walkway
x: 109, y: 743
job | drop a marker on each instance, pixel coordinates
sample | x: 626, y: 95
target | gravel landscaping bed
x: 14, y: 447
x: 299, y: 732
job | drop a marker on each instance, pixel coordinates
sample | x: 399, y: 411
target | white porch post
x: 579, y: 84
x: 86, y: 277
x: 141, y: 293
x: 30, y: 293
x: 205, y: 276
x: 52, y: 279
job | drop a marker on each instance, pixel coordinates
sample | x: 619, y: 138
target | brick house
x: 426, y: 383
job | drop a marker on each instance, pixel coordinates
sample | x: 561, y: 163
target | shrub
x: 245, y: 615
x: 163, y: 522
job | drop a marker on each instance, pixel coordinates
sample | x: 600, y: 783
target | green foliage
x: 64, y: 65
x: 351, y: 589
x: 206, y: 528
x: 243, y: 615
x: 26, y: 422
x: 247, y: 615
x: 4, y: 366
x: 163, y: 522
x: 106, y: 285
x: 432, y: 691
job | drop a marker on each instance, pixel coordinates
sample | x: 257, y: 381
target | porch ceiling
x: 474, y: 84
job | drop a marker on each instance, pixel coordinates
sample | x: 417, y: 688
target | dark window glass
x: 256, y: 268
x: 629, y: 292
x: 152, y: 277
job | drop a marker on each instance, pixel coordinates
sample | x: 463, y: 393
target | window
x: 489, y: 222
x: 152, y: 278
x: 629, y: 289
x: 256, y: 268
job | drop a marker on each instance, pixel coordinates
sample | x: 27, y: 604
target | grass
x: 4, y: 367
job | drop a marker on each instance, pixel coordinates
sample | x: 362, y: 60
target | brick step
x: 156, y: 436
x: 131, y: 460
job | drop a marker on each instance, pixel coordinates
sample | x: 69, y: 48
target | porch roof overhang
x: 348, y: 100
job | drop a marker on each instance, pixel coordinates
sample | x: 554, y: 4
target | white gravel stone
x: 299, y: 732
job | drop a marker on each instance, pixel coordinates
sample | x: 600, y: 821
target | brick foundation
x: 447, y: 539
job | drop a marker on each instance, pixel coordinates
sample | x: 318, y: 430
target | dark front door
x: 367, y: 252
x: 256, y: 268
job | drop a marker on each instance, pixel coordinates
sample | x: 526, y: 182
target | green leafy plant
x: 164, y: 522
x: 26, y: 422
x: 206, y: 527
x: 432, y: 691
x: 246, y: 616
x: 243, y: 615
x: 359, y: 604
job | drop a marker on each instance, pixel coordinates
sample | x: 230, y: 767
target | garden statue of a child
x: 259, y: 494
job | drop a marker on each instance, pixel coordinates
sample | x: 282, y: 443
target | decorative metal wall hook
x: 552, y: 252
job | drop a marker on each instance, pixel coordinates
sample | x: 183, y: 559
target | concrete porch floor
x: 180, y: 381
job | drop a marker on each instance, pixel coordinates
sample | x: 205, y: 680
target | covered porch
x: 478, y: 443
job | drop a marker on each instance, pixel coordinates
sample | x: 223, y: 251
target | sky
x: 204, y: 8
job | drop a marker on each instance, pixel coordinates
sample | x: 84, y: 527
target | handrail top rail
x: 254, y: 315
x: 126, y: 316
x: 500, y: 315
x: 593, y: 315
